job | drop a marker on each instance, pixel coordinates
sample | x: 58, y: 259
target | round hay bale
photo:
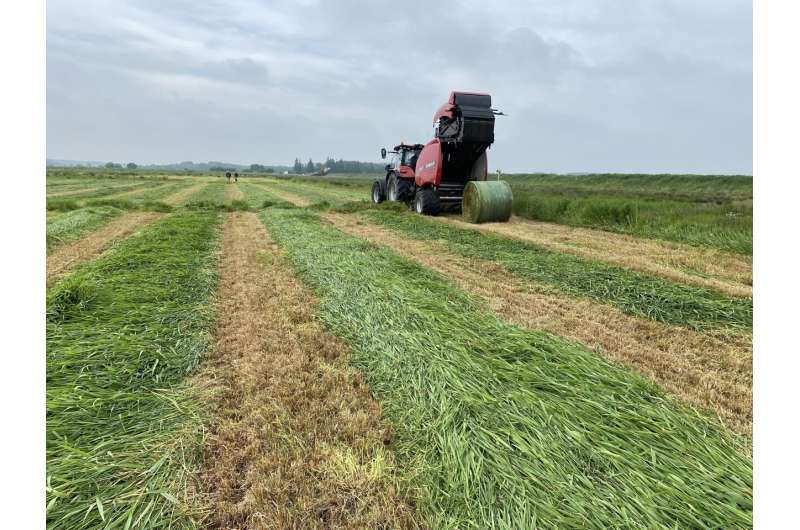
x: 487, y: 201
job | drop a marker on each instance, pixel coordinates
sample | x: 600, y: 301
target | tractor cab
x: 403, y: 159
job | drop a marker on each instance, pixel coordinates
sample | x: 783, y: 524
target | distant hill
x: 73, y: 163
x: 334, y: 166
x: 212, y: 165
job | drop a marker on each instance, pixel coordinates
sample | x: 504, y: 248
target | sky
x: 630, y: 86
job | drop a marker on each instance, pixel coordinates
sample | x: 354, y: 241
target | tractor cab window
x: 410, y: 158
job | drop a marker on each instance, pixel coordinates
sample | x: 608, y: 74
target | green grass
x: 112, y: 188
x: 75, y: 223
x: 632, y: 292
x: 256, y: 195
x: 211, y: 196
x: 500, y: 427
x: 698, y: 188
x: 360, y: 183
x: 703, y: 210
x: 152, y: 194
x: 710, y: 211
x: 318, y: 192
x: 122, y: 333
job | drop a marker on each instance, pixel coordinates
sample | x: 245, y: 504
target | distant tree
x: 131, y: 165
x: 257, y: 167
x: 298, y: 166
x: 310, y: 166
x: 110, y: 165
x: 269, y: 170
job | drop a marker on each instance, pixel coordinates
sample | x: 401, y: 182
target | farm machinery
x: 451, y: 170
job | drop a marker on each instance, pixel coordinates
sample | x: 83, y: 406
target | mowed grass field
x: 279, y: 353
x: 710, y: 211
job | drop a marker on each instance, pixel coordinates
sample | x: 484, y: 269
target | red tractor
x: 452, y: 168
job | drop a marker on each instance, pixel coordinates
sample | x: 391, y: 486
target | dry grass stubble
x: 728, y: 273
x: 68, y: 256
x: 297, y: 440
x: 708, y: 372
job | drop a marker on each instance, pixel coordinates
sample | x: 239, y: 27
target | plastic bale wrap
x: 487, y: 201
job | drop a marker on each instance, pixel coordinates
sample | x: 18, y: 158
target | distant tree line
x: 336, y: 166
x: 260, y: 168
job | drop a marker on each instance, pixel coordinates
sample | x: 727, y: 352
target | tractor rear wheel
x: 400, y: 189
x: 378, y: 193
x: 426, y: 202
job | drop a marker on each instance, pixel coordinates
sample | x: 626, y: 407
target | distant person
x: 236, y: 177
x: 228, y: 176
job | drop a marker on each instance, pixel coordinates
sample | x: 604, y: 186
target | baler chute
x: 437, y: 174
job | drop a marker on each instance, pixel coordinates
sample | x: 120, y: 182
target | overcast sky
x: 588, y: 85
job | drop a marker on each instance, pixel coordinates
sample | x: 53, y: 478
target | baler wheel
x: 426, y: 202
x: 378, y: 192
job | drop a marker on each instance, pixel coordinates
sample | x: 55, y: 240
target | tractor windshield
x: 410, y: 158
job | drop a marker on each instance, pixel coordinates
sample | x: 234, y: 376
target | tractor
x: 451, y: 170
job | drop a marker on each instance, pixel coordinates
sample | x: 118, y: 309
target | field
x: 279, y: 353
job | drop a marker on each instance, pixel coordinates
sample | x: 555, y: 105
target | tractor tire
x: 400, y: 189
x: 378, y: 192
x: 391, y: 188
x: 426, y: 202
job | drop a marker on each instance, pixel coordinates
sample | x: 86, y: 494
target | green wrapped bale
x: 487, y: 201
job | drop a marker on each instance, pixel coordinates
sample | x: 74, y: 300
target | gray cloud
x: 589, y: 85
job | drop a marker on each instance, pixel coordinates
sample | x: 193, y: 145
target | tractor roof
x: 408, y: 146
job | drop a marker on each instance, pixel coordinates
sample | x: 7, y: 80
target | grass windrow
x: 76, y: 223
x: 123, y: 428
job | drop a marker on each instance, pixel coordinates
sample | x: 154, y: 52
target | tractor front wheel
x: 391, y: 193
x: 426, y: 202
x: 378, y: 192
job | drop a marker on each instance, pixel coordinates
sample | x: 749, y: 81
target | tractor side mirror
x: 383, y: 152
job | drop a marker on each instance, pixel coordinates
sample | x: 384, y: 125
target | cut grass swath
x: 211, y: 196
x: 122, y: 333
x: 94, y: 188
x: 632, y: 292
x: 257, y: 195
x: 146, y: 195
x: 74, y: 224
x: 509, y: 428
x: 318, y: 194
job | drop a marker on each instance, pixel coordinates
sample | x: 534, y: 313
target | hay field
x: 279, y: 353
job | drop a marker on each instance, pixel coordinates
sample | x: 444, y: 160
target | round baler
x: 451, y: 170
